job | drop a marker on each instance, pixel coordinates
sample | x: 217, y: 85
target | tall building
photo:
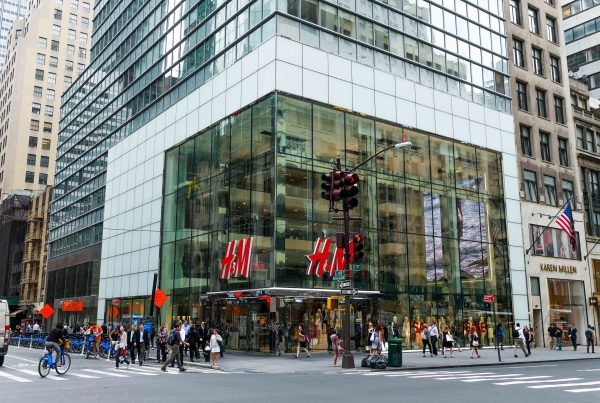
x: 13, y: 218
x: 201, y: 152
x: 47, y: 51
x: 9, y: 12
x: 33, y: 277
x: 549, y: 179
x: 586, y: 116
x: 582, y: 39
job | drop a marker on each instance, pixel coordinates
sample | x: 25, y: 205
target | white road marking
x: 546, y: 380
x: 13, y: 377
x: 24, y: 359
x: 504, y: 378
x: 582, y: 390
x: 30, y: 372
x: 588, y: 370
x: 82, y: 375
x: 106, y: 373
x: 533, y: 366
x: 453, y: 377
x: 142, y: 372
x: 564, y: 385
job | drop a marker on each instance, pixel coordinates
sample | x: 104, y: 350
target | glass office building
x: 152, y: 58
x: 433, y: 218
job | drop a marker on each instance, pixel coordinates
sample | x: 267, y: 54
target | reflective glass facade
x: 146, y: 56
x: 433, y: 218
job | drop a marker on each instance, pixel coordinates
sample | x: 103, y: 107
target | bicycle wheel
x: 102, y: 351
x: 43, y: 367
x: 66, y: 364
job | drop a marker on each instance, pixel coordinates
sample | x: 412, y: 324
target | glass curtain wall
x: 433, y: 216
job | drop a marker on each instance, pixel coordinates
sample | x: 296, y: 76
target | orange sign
x: 159, y: 298
x: 46, y: 311
x: 113, y: 312
x: 72, y: 306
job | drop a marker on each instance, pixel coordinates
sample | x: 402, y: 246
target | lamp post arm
x: 404, y: 145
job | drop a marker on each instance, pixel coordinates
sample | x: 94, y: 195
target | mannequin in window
x: 483, y: 331
x: 417, y: 327
x: 490, y: 331
x: 468, y: 325
x: 406, y: 331
x: 393, y: 330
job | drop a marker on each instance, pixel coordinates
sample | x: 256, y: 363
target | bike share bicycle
x: 47, y: 364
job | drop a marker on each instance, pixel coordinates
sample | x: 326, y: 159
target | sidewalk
x: 322, y: 362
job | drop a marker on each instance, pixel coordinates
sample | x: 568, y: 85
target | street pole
x: 348, y: 358
x: 497, y: 345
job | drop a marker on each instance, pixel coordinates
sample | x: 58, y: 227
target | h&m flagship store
x: 243, y: 214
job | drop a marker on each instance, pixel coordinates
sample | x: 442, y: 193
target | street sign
x: 349, y: 291
x: 488, y: 298
x: 355, y: 267
x: 345, y: 284
x: 339, y: 276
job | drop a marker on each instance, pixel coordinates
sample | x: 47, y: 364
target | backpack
x: 515, y: 333
x: 588, y: 334
x: 426, y: 334
x: 171, y: 339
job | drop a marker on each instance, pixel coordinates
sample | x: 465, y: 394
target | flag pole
x: 547, y: 226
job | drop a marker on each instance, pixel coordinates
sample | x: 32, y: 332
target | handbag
x: 372, y: 338
x: 449, y: 338
x: 475, y: 343
x: 384, y: 347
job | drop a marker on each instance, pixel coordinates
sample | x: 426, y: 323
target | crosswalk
x: 573, y: 384
x: 28, y: 375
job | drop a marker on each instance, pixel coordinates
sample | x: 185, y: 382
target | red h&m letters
x: 236, y: 262
x: 319, y: 259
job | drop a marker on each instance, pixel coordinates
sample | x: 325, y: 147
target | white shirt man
x: 433, y: 337
x: 36, y: 328
x: 519, y: 341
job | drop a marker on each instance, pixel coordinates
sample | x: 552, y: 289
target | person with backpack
x: 589, y: 338
x: 303, y: 342
x: 425, y: 340
x: 500, y: 336
x: 519, y: 339
x: 174, y: 342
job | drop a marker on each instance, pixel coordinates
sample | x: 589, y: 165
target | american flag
x: 565, y: 221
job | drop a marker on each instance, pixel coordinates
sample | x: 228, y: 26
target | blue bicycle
x: 46, y: 363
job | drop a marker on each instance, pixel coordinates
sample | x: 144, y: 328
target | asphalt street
x: 98, y: 380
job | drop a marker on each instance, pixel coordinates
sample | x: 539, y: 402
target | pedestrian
x: 185, y: 328
x: 573, y: 336
x: 552, y: 335
x: 121, y: 347
x: 183, y: 342
x: 192, y: 339
x: 589, y: 338
x: 456, y: 337
x: 425, y: 340
x: 152, y: 336
x: 528, y: 338
x: 447, y: 342
x: 374, y: 339
x: 382, y: 339
x: 174, y: 343
x: 558, y: 336
x: 141, y: 342
x: 370, y: 337
x: 519, y: 339
x: 161, y: 344
x: 335, y: 344
x: 131, y: 343
x: 500, y: 336
x: 215, y: 347
x: 433, y: 337
x: 474, y: 340
x: 278, y: 338
x: 303, y: 341
x: 36, y: 327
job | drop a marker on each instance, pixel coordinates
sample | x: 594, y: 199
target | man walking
x: 142, y: 342
x: 552, y: 335
x: 131, y: 343
x: 558, y: 336
x: 573, y: 336
x: 589, y: 338
x: 175, y: 343
x: 433, y: 337
x: 519, y: 340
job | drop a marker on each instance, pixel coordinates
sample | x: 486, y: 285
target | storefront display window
x: 432, y: 217
x: 567, y: 304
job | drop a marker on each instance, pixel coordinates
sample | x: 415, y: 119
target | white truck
x: 4, y: 329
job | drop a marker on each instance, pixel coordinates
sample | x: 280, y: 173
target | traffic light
x: 349, y: 190
x: 331, y: 186
x: 358, y: 242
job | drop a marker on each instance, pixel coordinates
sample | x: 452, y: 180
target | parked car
x: 4, y: 329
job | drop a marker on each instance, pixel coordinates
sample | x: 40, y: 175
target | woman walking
x: 474, y: 339
x: 215, y: 348
x: 121, y: 348
x: 528, y: 338
x: 500, y: 336
x: 456, y: 337
x: 161, y: 344
x: 302, y: 342
x: 375, y: 345
x: 447, y: 342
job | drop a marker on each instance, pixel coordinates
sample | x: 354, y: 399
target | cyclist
x: 53, y: 341
x: 96, y: 331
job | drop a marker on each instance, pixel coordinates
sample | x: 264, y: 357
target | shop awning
x: 15, y: 313
x: 288, y: 292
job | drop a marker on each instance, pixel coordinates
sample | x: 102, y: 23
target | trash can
x: 206, y: 353
x: 394, y: 352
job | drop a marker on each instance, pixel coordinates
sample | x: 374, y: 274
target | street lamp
x: 348, y: 358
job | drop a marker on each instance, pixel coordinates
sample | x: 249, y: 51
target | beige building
x: 557, y: 280
x: 46, y: 52
x: 33, y: 275
x: 586, y: 116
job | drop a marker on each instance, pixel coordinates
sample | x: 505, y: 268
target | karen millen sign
x: 558, y: 268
